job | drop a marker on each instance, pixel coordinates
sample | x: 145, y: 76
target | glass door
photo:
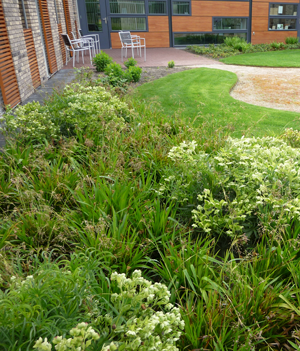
x: 93, y: 20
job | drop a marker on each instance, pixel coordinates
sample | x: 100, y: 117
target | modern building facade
x: 167, y: 23
x: 31, y: 49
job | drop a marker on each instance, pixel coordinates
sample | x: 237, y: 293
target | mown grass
x: 203, y: 93
x: 284, y: 58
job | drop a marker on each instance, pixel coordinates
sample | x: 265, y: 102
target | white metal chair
x: 86, y: 41
x: 95, y: 37
x: 75, y: 46
x: 132, y: 42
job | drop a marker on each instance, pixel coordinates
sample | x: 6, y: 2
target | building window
x: 157, y: 7
x: 127, y: 7
x: 230, y: 23
x: 93, y: 14
x: 283, y: 17
x: 128, y: 23
x: 181, y: 7
x: 204, y: 38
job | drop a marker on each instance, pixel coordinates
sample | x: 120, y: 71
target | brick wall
x: 18, y: 48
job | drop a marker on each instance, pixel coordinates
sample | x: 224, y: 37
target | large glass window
x: 204, y: 38
x: 157, y: 7
x: 93, y: 15
x: 128, y: 23
x: 283, y: 17
x: 230, y: 23
x: 283, y: 10
x: 283, y: 23
x: 127, y: 6
x: 181, y: 8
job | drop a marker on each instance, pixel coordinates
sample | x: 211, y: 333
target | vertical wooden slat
x: 68, y: 17
x: 8, y: 79
x: 31, y: 53
x: 76, y: 28
x: 48, y: 36
x: 61, y: 42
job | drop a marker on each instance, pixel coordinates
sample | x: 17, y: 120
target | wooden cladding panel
x: 48, y: 36
x: 8, y: 79
x: 260, y: 9
x: 158, y: 23
x: 61, y: 43
x: 68, y: 17
x: 194, y: 24
x: 269, y: 36
x: 260, y: 24
x: 153, y: 39
x: 31, y: 53
x: 219, y: 8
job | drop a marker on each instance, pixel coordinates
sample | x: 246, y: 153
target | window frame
x: 283, y: 16
x: 230, y: 30
x: 212, y: 32
x: 128, y: 16
x: 176, y: 14
x: 157, y: 14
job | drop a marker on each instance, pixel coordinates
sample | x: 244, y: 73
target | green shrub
x: 114, y: 69
x: 79, y: 107
x: 292, y: 40
x: 30, y: 122
x: 100, y: 61
x: 276, y: 45
x: 135, y: 73
x: 130, y: 62
x: 171, y: 64
x: 242, y: 185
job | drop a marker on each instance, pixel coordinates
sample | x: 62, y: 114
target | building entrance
x: 94, y: 20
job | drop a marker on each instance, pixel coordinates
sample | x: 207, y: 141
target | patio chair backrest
x: 66, y: 40
x: 125, y: 37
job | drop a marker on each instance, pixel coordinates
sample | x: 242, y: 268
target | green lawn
x: 204, y: 92
x: 284, y: 58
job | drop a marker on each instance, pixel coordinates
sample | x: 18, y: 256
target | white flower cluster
x: 82, y: 337
x: 89, y: 105
x: 32, y: 120
x: 184, y: 152
x: 254, y: 174
x: 146, y: 328
x: 18, y: 282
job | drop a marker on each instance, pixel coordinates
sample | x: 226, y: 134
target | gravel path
x: 277, y: 88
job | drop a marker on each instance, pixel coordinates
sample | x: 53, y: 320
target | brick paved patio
x: 154, y: 57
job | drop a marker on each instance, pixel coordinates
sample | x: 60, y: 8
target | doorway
x: 94, y: 20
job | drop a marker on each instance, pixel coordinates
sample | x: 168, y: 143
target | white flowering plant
x: 82, y: 337
x: 144, y: 319
x: 89, y: 109
x: 30, y: 122
x: 250, y: 182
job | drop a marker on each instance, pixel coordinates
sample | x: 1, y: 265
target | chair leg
x: 144, y: 52
x: 74, y: 54
x: 82, y: 54
x: 132, y: 52
x: 90, y: 56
